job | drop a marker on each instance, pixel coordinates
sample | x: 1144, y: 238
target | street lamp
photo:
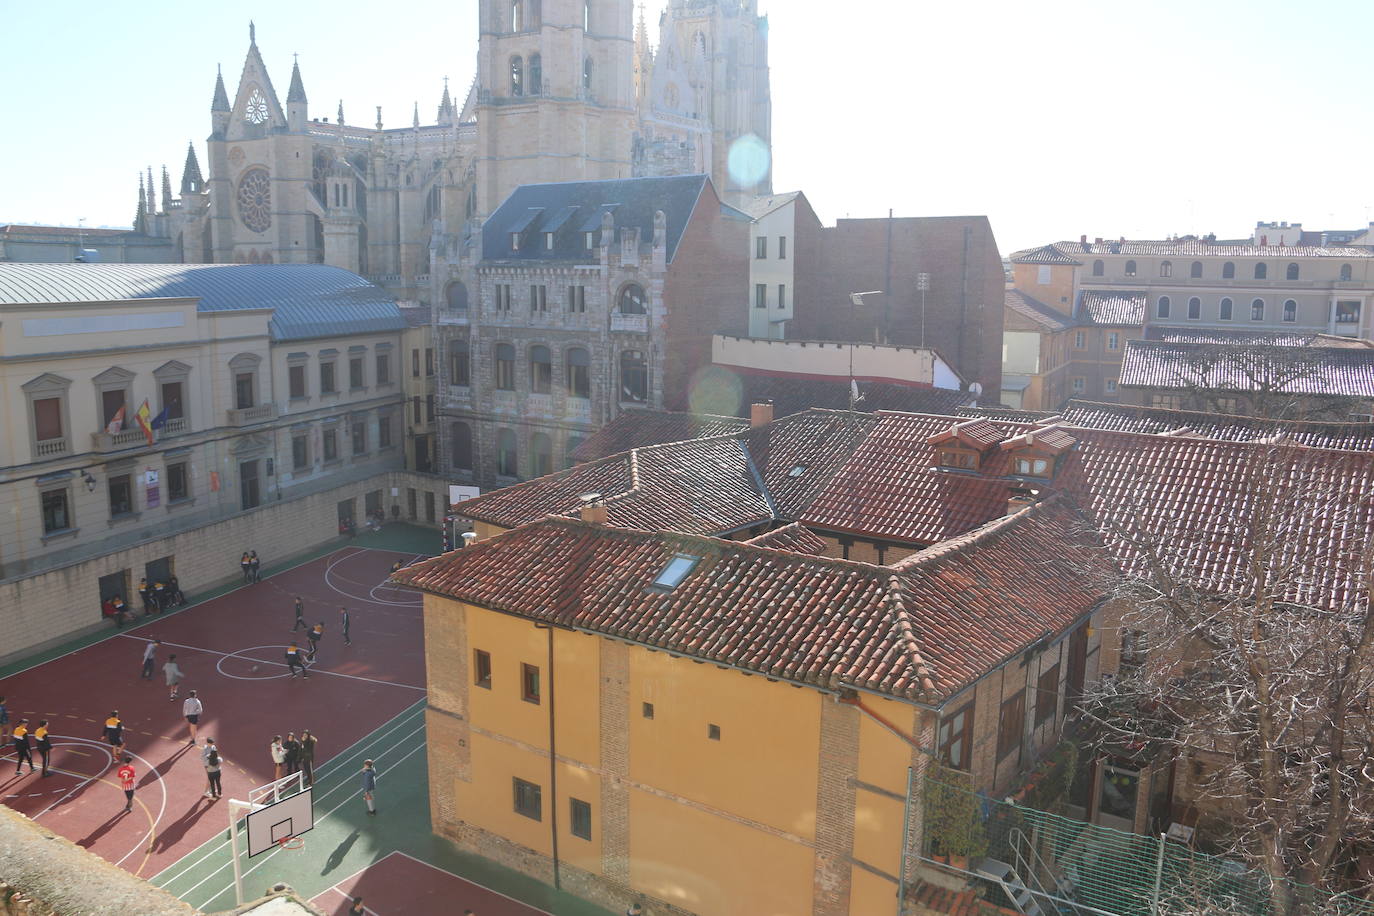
x: 857, y: 300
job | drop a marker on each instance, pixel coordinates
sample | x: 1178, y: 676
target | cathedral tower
x: 556, y: 93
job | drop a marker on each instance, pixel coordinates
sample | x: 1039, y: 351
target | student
x: 635, y: 910
x: 22, y: 747
x: 246, y: 564
x: 126, y: 781
x: 121, y: 611
x: 192, y: 710
x: 44, y: 741
x: 114, y: 730
x: 300, y: 616
x: 292, y: 747
x: 294, y: 660
x: 278, y: 752
x: 4, y: 719
x: 357, y: 909
x: 172, y: 672
x: 146, y: 594
x: 160, y: 597
x: 307, y: 755
x: 149, y: 658
x: 256, y: 565
x: 314, y: 636
x: 174, y: 592
x: 213, y: 763
x: 344, y: 621
x: 369, y: 786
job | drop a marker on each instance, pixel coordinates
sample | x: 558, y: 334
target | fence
x: 1079, y: 869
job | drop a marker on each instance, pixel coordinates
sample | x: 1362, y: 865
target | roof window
x: 677, y: 569
x: 797, y: 470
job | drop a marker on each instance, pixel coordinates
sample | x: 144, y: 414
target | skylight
x: 677, y: 569
x: 797, y: 470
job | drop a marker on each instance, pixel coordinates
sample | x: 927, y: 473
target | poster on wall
x: 214, y: 481
x: 154, y: 496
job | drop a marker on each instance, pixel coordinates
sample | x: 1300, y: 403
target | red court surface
x: 401, y: 885
x: 232, y: 650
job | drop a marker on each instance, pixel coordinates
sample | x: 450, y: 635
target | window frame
x: 382, y: 367
x: 1099, y: 268
x: 580, y: 818
x: 64, y: 490
x: 1290, y: 310
x: 328, y: 367
x: 1226, y: 309
x: 1163, y: 306
x: 782, y: 248
x: 1194, y: 308
x: 1257, y: 314
x: 126, y: 482
x: 49, y: 386
x: 481, y: 669
x: 529, y: 684
x: 760, y: 247
x: 760, y: 295
x: 946, y: 738
x: 528, y: 799
x: 504, y: 357
x: 503, y: 468
x: 578, y: 372
x: 1011, y: 724
x: 541, y: 371
x: 1047, y: 699
x: 172, y: 471
x: 1228, y: 270
x: 300, y: 458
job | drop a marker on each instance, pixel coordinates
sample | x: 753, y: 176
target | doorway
x: 1117, y: 794
x: 159, y: 570
x: 346, y: 513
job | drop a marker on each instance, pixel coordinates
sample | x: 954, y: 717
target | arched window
x: 1261, y: 271
x: 1228, y: 271
x: 1098, y: 268
x: 634, y: 377
x: 1194, y: 308
x: 587, y: 75
x: 1195, y: 270
x: 505, y: 367
x: 1292, y: 273
x: 1257, y: 310
x: 1163, y: 310
x: 507, y: 463
x: 1345, y: 272
x: 536, y: 74
x: 1166, y: 268
x: 631, y: 301
x: 579, y: 379
x: 541, y: 369
x: 1290, y: 310
x: 460, y: 442
x: 536, y: 16
x: 1130, y: 268
x: 457, y: 296
x: 541, y: 454
x: 1224, y: 313
x: 434, y: 204
x: 459, y: 369
x: 517, y: 15
x: 517, y: 76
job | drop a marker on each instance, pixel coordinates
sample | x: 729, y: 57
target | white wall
x: 823, y: 359
x: 772, y: 271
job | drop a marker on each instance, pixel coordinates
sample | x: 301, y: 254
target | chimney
x: 1083, y: 240
x: 1098, y: 240
x: 760, y: 414
x: 593, y: 509
x: 1018, y: 499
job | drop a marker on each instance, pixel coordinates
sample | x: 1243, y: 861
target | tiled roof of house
x: 1005, y: 413
x: 1161, y: 421
x: 797, y: 456
x: 1034, y: 310
x: 1045, y: 254
x: 1267, y: 338
x: 1194, y: 248
x: 638, y: 427
x: 1111, y: 307
x: 1330, y: 371
x: 790, y: 394
x: 921, y: 632
x: 757, y: 207
x: 791, y: 537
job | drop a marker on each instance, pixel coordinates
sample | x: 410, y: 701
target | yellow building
x: 719, y: 727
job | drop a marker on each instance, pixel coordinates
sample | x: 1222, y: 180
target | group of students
x: 294, y: 755
x: 251, y: 566
x: 24, y: 744
x: 156, y: 598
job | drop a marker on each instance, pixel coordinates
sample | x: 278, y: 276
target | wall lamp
x: 88, y: 480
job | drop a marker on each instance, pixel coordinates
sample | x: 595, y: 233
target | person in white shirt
x: 192, y: 709
x: 278, y: 752
x: 172, y: 671
x: 149, y: 658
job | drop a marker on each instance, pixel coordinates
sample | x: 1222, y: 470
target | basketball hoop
x: 293, y: 843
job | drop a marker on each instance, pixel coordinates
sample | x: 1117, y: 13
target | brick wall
x: 839, y: 759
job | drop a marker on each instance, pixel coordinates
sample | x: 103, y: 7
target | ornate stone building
x: 565, y: 90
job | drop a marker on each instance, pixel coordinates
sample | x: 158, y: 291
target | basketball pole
x: 234, y: 806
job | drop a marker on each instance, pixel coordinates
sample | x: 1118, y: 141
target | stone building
x: 565, y: 90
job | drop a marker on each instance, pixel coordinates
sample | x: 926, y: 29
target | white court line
x: 352, y: 677
x: 329, y: 574
x: 397, y: 852
x: 330, y: 764
x: 348, y: 898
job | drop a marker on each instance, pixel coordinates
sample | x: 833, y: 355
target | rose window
x: 255, y: 200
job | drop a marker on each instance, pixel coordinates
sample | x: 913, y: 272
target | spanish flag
x: 144, y: 417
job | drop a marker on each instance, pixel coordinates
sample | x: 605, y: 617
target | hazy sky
x: 1054, y: 119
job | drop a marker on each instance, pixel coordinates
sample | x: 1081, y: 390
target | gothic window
x: 1196, y: 270
x: 256, y: 111
x: 541, y: 454
x: 587, y: 16
x: 1194, y: 308
x: 1098, y: 268
x: 517, y: 15
x: 517, y: 76
x: 1290, y: 311
x: 457, y: 296
x: 536, y: 13
x: 319, y: 173
x: 1225, y: 311
x: 670, y: 96
x: 1257, y: 310
x: 459, y: 369
x: 434, y: 204
x: 255, y: 200
x: 1345, y: 272
x: 1166, y: 268
x: 536, y: 74
x: 587, y: 75
x: 541, y: 369
x: 1228, y: 271
x: 632, y: 300
x: 506, y: 457
x: 505, y: 367
x: 1261, y: 271
x: 579, y: 373
x: 460, y: 439
x: 634, y: 377
x: 1292, y: 272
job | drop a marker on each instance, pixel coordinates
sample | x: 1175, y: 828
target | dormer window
x: 548, y: 241
x: 589, y: 239
x: 677, y: 569
x: 1034, y: 467
x: 958, y: 459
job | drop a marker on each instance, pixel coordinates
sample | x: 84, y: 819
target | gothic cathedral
x: 565, y: 90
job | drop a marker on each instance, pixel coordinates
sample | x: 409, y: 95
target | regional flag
x: 144, y: 416
x: 116, y: 422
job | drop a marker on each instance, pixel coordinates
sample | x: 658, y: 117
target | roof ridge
x: 988, y: 530
x: 906, y: 631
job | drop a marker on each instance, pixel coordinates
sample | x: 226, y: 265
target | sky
x: 1055, y: 119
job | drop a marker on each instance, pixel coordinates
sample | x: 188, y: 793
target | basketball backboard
x: 270, y: 824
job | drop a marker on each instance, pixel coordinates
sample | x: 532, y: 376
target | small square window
x: 581, y: 818
x: 528, y: 800
x: 481, y: 668
x: 713, y: 732
x: 529, y: 683
x: 648, y: 710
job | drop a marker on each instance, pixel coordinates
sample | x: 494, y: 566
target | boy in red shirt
x: 126, y: 780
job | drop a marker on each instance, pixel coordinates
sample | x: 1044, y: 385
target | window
x: 503, y: 297
x: 1228, y: 271
x: 1347, y: 312
x: 647, y: 710
x: 577, y: 299
x: 327, y: 385
x: 56, y: 515
x: 383, y: 369
x: 517, y: 76
x: 782, y: 248
x: 1194, y: 308
x: 529, y: 683
x: 481, y: 668
x: 536, y: 74
x: 1080, y: 340
x: 415, y: 410
x: 1292, y: 272
x: 121, y: 496
x: 300, y: 452
x: 359, y: 437
x: 429, y: 362
x: 1034, y: 467
x: 541, y: 454
x: 1195, y: 271
x: 1130, y: 268
x: 1079, y: 384
x: 955, y: 739
x: 517, y: 18
x: 632, y: 300
x: 505, y: 367
x: 1111, y: 386
x: 250, y: 496
x: 47, y: 421
x: 1047, y: 694
x: 761, y: 247
x: 1166, y: 268
x: 460, y: 440
x: 634, y: 376
x: 172, y: 402
x: 1261, y: 271
x: 581, y: 816
x: 1224, y: 312
x: 760, y: 295
x: 579, y: 373
x: 539, y: 298
x: 587, y: 16
x: 527, y: 799
x: 429, y: 505
x: 677, y: 569
x: 243, y: 390
x: 1043, y: 275
x: 713, y: 731
x: 384, y: 424
x: 295, y: 376
x: 178, y: 482
x: 960, y: 458
x: 459, y: 368
x: 415, y: 363
x: 1290, y: 310
x: 429, y: 408
x: 1257, y: 310
x: 456, y: 295
x: 1113, y: 340
x: 589, y: 239
x: 1012, y: 723
x: 1098, y: 268
x: 330, y: 441
x: 355, y: 373
x: 1345, y: 272
x: 782, y: 295
x: 506, y: 457
x: 1163, y: 310
x: 587, y: 75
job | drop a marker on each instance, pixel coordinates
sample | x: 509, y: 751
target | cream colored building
x: 772, y: 264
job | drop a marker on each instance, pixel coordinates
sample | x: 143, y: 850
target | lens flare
x: 749, y: 160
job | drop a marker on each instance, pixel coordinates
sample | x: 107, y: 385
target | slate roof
x: 1163, y: 421
x: 1037, y: 311
x: 638, y: 427
x: 1189, y: 248
x: 1329, y: 371
x: 1111, y: 307
x: 631, y: 201
x: 921, y: 633
x: 791, y: 537
x: 19, y: 229
x: 310, y: 300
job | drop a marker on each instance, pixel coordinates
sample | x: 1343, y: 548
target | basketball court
x: 401, y: 885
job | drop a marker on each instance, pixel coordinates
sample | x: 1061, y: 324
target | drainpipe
x: 553, y: 764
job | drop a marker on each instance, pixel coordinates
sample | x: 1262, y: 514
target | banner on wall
x: 153, y: 492
x: 214, y: 481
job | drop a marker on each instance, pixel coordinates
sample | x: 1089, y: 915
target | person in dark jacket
x: 293, y: 753
x: 23, y: 748
x: 44, y: 742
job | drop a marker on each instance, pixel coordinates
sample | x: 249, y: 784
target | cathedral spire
x: 166, y: 188
x: 297, y: 91
x: 141, y: 214
x: 152, y: 195
x: 191, y: 180
x: 341, y: 120
x: 379, y: 117
x: 416, y: 122
x: 252, y: 33
x: 221, y: 102
x: 445, y: 107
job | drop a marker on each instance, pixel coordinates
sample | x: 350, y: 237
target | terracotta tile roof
x: 1034, y: 310
x: 791, y: 537
x: 1006, y: 413
x: 1045, y: 254
x: 922, y: 632
x: 638, y: 427
x: 1238, y: 367
x: 1158, y: 420
x: 1197, y: 248
x: 1111, y: 307
x: 797, y: 456
x: 977, y: 433
x: 1222, y: 336
x: 790, y: 395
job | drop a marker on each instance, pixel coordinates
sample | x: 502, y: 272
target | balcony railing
x: 504, y: 401
x: 539, y: 405
x: 125, y: 438
x: 579, y: 408
x: 174, y: 427
x: 51, y: 448
x: 247, y: 416
x: 635, y: 323
x: 454, y: 316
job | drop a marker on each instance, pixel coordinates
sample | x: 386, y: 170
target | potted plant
x: 953, y: 817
